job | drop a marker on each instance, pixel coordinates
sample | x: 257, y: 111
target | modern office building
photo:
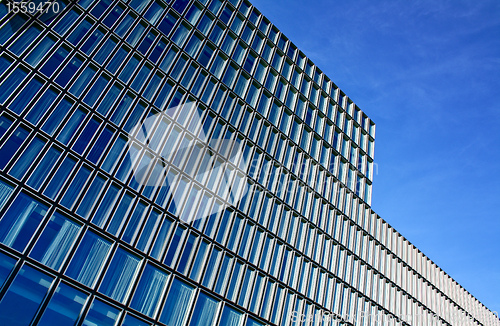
x: 181, y: 162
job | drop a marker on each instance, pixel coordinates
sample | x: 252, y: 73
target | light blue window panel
x: 5, y: 63
x: 27, y: 158
x: 42, y: 106
x: 134, y: 223
x: 181, y: 34
x: 105, y: 51
x: 167, y: 61
x: 114, y: 154
x: 204, y: 311
x: 223, y: 277
x: 76, y: 185
x: 148, y: 231
x: 139, y: 5
x: 122, y: 108
x: 21, y: 220
x: 60, y: 177
x: 64, y: 307
x: 91, y: 197
x: 178, y: 303
x: 22, y: 299
x: 79, y: 32
x: 124, y: 26
x: 146, y: 43
x: 6, y: 190
x: 212, y: 266
x: 100, y: 145
x: 129, y: 69
x: 56, y: 116
x: 183, y: 261
x: 120, y: 214
x: 120, y: 275
x: 152, y: 86
x: 230, y: 317
x: 161, y: 239
x: 141, y: 77
x: 12, y: 27
x: 154, y: 12
x: 71, y: 126
x: 199, y: 261
x: 26, y: 38
x: 97, y: 90
x: 83, y: 80
x: 44, y: 167
x: 112, y: 95
x: 10, y: 83
x: 7, y: 263
x: 101, y: 314
x: 89, y: 258
x: 133, y: 321
x: 56, y: 241
x: 149, y: 291
x: 27, y: 94
x: 101, y: 215
x: 253, y: 322
x: 66, y: 22
x: 136, y: 33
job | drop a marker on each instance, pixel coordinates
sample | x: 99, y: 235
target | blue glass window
x: 101, y: 7
x: 68, y: 72
x: 56, y: 241
x: 56, y: 116
x: 161, y: 239
x: 83, y: 80
x: 10, y: 83
x: 42, y: 106
x: 158, y: 50
x: 120, y: 214
x: 113, y: 16
x: 7, y: 263
x: 104, y: 51
x: 89, y: 258
x: 139, y: 5
x: 101, y: 314
x: 22, y: 299
x: 149, y: 290
x: 101, y: 215
x: 167, y: 24
x: 60, y: 177
x: 54, y: 62
x: 26, y: 38
x: 64, y: 307
x: 100, y: 145
x: 97, y: 90
x: 129, y: 68
x: 71, y: 126
x: 230, y: 317
x: 178, y: 303
x: 154, y: 12
x: 19, y: 223
x: 110, y: 98
x: 91, y: 197
x: 75, y: 187
x: 79, y: 32
x: 27, y: 158
x: 204, y: 311
x: 133, y: 321
x: 148, y: 231
x: 86, y: 136
x: 66, y: 22
x: 42, y: 170
x: 134, y: 222
x: 120, y: 275
x: 125, y: 25
x: 12, y: 27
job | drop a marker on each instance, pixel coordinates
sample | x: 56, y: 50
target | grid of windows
x: 303, y: 240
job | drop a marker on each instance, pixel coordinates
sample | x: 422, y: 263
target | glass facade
x: 181, y: 162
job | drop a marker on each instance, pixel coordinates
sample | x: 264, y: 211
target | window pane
x: 23, y: 297
x: 230, y: 317
x: 6, y: 265
x: 177, y: 305
x: 149, y: 291
x: 64, y: 307
x: 56, y: 241
x: 20, y: 221
x: 120, y: 275
x: 101, y: 314
x: 204, y: 311
x: 87, y: 262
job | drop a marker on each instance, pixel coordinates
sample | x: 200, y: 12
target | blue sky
x: 428, y: 73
